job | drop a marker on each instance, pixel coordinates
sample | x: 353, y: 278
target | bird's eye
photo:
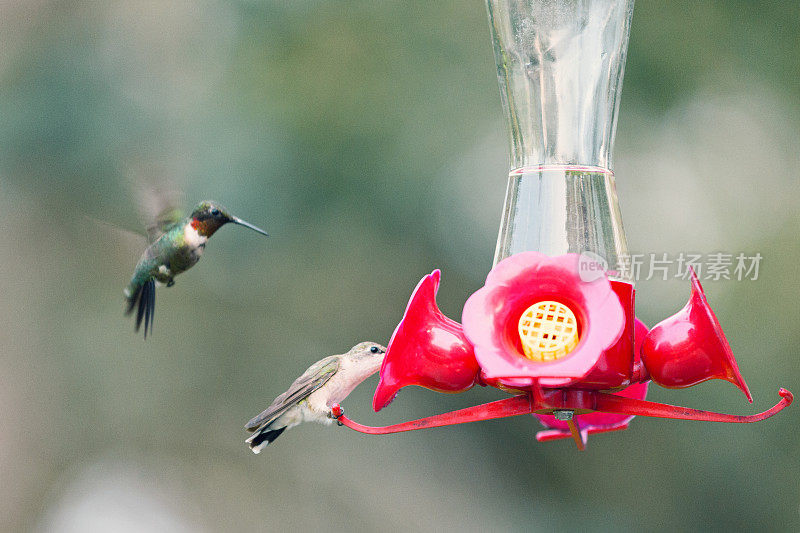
x: 374, y: 349
x: 214, y: 212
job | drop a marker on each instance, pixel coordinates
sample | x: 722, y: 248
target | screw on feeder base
x: 567, y: 415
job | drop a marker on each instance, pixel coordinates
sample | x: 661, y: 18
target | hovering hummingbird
x: 312, y: 395
x: 176, y: 244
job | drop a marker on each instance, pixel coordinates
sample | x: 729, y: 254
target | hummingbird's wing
x: 163, y: 223
x: 158, y: 196
x: 312, y: 379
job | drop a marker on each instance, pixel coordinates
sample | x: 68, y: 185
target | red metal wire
x: 609, y: 403
x: 517, y: 405
x: 577, y: 400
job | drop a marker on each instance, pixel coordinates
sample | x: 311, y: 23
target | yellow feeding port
x: 548, y: 331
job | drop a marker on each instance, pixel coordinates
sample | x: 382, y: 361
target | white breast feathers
x: 192, y: 237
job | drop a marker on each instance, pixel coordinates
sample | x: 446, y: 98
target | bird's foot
x: 336, y: 413
x: 170, y: 283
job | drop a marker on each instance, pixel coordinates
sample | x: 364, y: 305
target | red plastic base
x: 577, y: 401
x: 556, y: 434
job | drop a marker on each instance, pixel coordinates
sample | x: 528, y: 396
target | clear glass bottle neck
x: 559, y: 209
x: 560, y: 66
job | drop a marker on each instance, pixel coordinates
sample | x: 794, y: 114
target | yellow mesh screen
x: 548, y: 331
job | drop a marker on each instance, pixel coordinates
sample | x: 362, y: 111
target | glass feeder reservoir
x: 560, y: 65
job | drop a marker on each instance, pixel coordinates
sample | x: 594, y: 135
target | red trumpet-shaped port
x: 689, y: 347
x: 491, y: 320
x: 427, y: 349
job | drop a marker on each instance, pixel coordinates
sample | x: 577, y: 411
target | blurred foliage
x: 367, y: 138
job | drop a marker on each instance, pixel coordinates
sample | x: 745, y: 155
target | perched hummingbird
x: 176, y: 244
x: 312, y: 395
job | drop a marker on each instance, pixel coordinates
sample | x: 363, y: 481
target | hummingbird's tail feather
x: 132, y: 294
x: 263, y: 437
x: 145, y: 297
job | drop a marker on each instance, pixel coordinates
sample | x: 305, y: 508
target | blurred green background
x: 368, y: 139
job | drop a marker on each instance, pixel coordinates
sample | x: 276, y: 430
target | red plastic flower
x: 598, y: 422
x: 426, y: 349
x: 689, y: 347
x: 491, y: 319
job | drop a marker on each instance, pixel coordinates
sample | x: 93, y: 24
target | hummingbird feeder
x: 555, y: 325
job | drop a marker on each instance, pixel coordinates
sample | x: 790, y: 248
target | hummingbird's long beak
x: 239, y: 221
